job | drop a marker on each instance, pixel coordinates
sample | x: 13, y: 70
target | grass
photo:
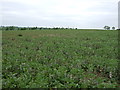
x: 60, y: 59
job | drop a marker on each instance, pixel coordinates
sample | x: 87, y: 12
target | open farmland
x: 60, y: 59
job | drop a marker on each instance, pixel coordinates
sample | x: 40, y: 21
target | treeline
x: 45, y: 28
x: 31, y: 28
x: 108, y: 28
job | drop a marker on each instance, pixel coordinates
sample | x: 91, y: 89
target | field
x: 60, y: 59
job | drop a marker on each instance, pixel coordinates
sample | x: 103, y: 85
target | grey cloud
x: 45, y: 14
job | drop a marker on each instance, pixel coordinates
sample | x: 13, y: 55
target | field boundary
x: 0, y: 59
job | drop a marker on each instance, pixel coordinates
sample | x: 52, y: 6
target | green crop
x: 60, y: 59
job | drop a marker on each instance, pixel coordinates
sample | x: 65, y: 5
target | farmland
x: 60, y: 59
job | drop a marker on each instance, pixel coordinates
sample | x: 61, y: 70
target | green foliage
x: 59, y: 59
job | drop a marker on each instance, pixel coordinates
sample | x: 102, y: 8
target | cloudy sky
x: 60, y: 13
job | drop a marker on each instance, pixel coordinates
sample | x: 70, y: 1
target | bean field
x: 60, y: 59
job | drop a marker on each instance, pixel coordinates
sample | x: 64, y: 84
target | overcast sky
x: 60, y: 13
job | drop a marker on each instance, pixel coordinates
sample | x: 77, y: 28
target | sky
x: 59, y: 13
x: 119, y: 15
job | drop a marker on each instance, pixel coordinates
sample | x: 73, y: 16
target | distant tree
x: 113, y: 28
x: 106, y: 27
